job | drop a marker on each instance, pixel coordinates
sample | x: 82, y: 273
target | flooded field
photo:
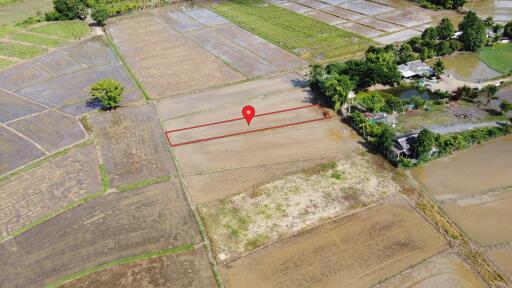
x: 482, y: 168
x: 500, y: 10
x: 468, y: 67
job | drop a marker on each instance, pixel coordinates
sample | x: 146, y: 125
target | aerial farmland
x: 248, y: 143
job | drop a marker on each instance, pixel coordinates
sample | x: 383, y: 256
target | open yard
x: 218, y: 168
x: 358, y: 250
x: 102, y: 230
x: 306, y: 37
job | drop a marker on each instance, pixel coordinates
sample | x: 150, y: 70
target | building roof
x: 403, y: 142
x: 413, y: 68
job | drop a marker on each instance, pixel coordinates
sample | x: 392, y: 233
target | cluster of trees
x: 334, y: 81
x: 376, y: 101
x: 381, y: 135
x: 107, y: 92
x: 446, y: 4
x: 430, y: 145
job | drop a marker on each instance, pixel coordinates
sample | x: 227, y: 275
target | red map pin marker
x: 248, y: 112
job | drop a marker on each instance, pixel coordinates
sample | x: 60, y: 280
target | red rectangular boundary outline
x: 325, y: 115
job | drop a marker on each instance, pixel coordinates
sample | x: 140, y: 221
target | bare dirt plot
x: 357, y: 250
x: 52, y: 130
x: 165, y: 61
x: 327, y: 138
x: 267, y: 51
x: 277, y: 210
x: 242, y: 60
x: 15, y: 151
x: 23, y: 75
x: 408, y: 17
x: 53, y: 185
x: 74, y: 88
x: 186, y: 269
x: 13, y: 106
x: 312, y: 3
x: 132, y: 144
x: 93, y: 52
x: 379, y: 24
x: 110, y: 227
x: 444, y: 270
x: 179, y: 20
x: 485, y: 218
x: 503, y: 256
x: 397, y: 36
x: 206, y: 17
x: 360, y: 29
x: 343, y: 13
x: 294, y: 7
x: 482, y: 168
x: 366, y: 7
x: 60, y: 63
x: 326, y: 18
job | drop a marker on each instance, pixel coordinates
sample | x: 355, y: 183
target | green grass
x: 144, y: 183
x: 40, y: 40
x: 119, y: 262
x: 498, y: 57
x: 105, y: 182
x: 70, y: 30
x: 306, y: 37
x: 4, y: 63
x: 20, y: 51
x: 7, y: 29
x: 8, y: 2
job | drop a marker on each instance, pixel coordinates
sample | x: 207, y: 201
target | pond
x: 500, y: 10
x: 468, y: 67
x: 405, y: 93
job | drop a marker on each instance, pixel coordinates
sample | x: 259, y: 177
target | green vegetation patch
x: 20, y: 51
x: 498, y: 57
x: 8, y: 2
x: 144, y: 183
x: 70, y: 30
x: 306, y: 37
x: 40, y: 40
x: 4, y: 63
x: 122, y: 261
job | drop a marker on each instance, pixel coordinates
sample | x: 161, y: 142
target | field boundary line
x: 26, y: 138
x: 119, y: 262
x: 202, y: 229
x: 325, y: 116
x: 132, y: 76
x: 143, y: 183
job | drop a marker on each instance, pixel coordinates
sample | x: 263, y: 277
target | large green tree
x: 445, y: 29
x: 70, y: 9
x: 507, y: 30
x: 424, y: 143
x: 336, y: 88
x: 107, y: 92
x: 473, y: 32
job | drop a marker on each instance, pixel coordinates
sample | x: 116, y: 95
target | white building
x: 415, y: 68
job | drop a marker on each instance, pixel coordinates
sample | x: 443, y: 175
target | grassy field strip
x: 70, y: 30
x: 144, y: 183
x: 122, y: 261
x: 304, y: 36
x: 127, y: 68
x: 498, y: 57
x: 38, y: 39
x: 20, y: 51
x: 39, y: 162
x: 9, y: 2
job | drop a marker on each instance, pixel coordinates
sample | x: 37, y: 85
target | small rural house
x: 402, y: 146
x: 415, y: 68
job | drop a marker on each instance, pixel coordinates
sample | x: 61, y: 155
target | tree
x: 316, y: 75
x: 336, y: 88
x: 443, y: 48
x: 445, y: 29
x: 507, y: 30
x: 393, y: 104
x: 108, y: 92
x: 505, y: 106
x: 473, y: 32
x: 418, y: 102
x: 489, y: 91
x: 373, y: 101
x: 100, y: 15
x: 429, y: 34
x: 438, y: 67
x: 489, y: 22
x: 405, y: 54
x: 426, y: 53
x: 384, y: 141
x: 424, y: 144
x: 70, y: 9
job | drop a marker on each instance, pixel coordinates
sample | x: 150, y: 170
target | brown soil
x: 358, y: 251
